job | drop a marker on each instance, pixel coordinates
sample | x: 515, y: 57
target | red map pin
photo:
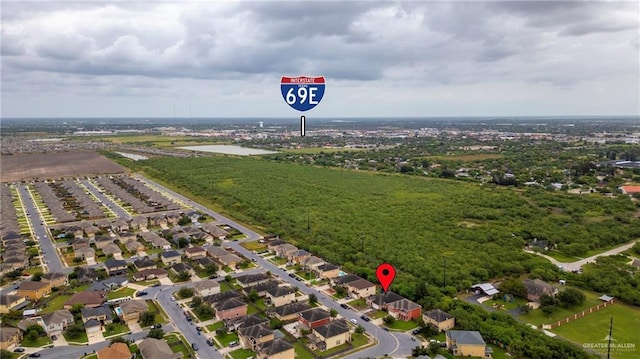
x: 385, y: 273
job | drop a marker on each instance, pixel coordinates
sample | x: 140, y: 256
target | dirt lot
x: 52, y: 165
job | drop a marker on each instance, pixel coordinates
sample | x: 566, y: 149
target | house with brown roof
x: 115, y: 351
x: 120, y: 225
x: 139, y: 222
x: 55, y: 280
x: 440, y: 319
x: 102, y: 241
x: 90, y: 298
x: 87, y: 253
x: 361, y: 288
x: 206, y: 287
x: 134, y: 246
x: 90, y: 231
x: 196, y: 252
x: 248, y: 280
x: 33, y: 290
x: 112, y: 249
x: 148, y: 274
x: 130, y: 310
x: 275, y: 349
x: 314, y: 317
x: 151, y: 348
x: 330, y: 335
x: 215, y: 231
x: 9, y: 337
x: 311, y: 263
x: 127, y: 236
x: 536, y: 288
x: 10, y: 302
x: 260, y: 289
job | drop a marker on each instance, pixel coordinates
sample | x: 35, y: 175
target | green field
x: 120, y: 293
x: 413, y: 222
x: 594, y: 327
x: 537, y: 317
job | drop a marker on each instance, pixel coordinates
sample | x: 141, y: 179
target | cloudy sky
x: 225, y: 58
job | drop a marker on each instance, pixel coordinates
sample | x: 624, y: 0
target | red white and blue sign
x: 302, y: 93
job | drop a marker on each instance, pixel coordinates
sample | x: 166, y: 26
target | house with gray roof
x: 467, y: 343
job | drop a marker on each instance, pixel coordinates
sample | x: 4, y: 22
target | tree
x: 333, y: 313
x: 147, y: 318
x: 515, y: 287
x: 548, y: 310
x: 389, y: 320
x: 228, y: 278
x: 196, y: 301
x: 204, y: 310
x: 340, y: 291
x: 253, y: 296
x: 37, y: 276
x: 32, y: 252
x: 76, y: 308
x: 120, y: 339
x: 313, y: 298
x: 184, y: 276
x: 157, y: 333
x: 185, y: 292
x: 211, y: 268
x: 183, y: 243
x: 75, y: 331
x: 184, y: 221
x: 359, y: 329
x: 34, y: 331
x: 275, y: 323
x: 547, y: 300
x: 571, y: 297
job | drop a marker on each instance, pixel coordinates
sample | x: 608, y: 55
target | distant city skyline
x: 380, y: 59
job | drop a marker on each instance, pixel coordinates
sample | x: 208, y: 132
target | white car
x: 173, y: 299
x: 354, y: 321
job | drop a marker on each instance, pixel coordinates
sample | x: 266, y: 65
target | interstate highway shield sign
x: 302, y: 93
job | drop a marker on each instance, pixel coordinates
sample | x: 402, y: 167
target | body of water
x: 228, y: 150
x: 133, y: 156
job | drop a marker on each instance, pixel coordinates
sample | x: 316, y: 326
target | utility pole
x: 610, y: 338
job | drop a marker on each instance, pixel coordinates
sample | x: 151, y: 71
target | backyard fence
x: 579, y: 315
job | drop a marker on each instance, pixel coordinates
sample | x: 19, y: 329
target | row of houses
x: 54, y: 203
x: 9, y: 219
x: 14, y: 253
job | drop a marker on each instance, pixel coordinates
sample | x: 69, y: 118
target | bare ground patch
x: 52, y: 165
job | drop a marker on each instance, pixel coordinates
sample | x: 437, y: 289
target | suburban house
x: 230, y: 308
x: 112, y: 249
x: 173, y: 218
x: 151, y: 348
x: 195, y: 252
x: 215, y: 231
x: 342, y: 280
x: 536, y: 288
x: 261, y: 288
x: 90, y: 299
x: 182, y: 267
x: 155, y: 240
x: 279, y: 296
x: 245, y: 322
x: 467, y: 343
x: 144, y: 263
x: 274, y: 244
x: 249, y: 280
x: 330, y: 335
x: 312, y: 263
x: 54, y: 323
x: 314, y: 317
x: 285, y: 250
x: 9, y: 337
x: 380, y: 300
x: 86, y: 275
x: 115, y: 351
x: 90, y: 231
x: 275, y: 349
x: 127, y: 236
x: 170, y: 257
x: 440, y: 319
x: 102, y: 314
x: 298, y: 256
x: 115, y: 267
x: 33, y: 290
x: 93, y: 328
x: 134, y: 246
x: 55, y: 279
x: 130, y: 310
x: 251, y: 337
x: 147, y: 274
x: 87, y: 253
x: 139, y: 222
x: 120, y: 225
x: 223, y: 256
x: 206, y: 287
x: 10, y: 302
x: 109, y: 284
x: 102, y: 241
x: 361, y: 288
x: 328, y: 270
x: 158, y: 220
x: 213, y: 299
x: 289, y: 311
x: 404, y: 309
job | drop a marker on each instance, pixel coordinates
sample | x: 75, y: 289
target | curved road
x: 577, y: 265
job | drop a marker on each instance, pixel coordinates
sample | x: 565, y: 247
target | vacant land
x: 359, y: 219
x: 52, y: 165
x: 594, y: 329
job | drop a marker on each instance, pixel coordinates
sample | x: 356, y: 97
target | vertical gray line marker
x: 302, y: 126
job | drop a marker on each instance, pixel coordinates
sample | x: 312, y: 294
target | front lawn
x: 254, y: 246
x: 121, y: 293
x: 158, y: 312
x: 358, y: 340
x: 212, y: 327
x: 502, y: 305
x: 178, y: 345
x: 279, y: 261
x: 242, y: 354
x: 537, y: 317
x: 41, y: 341
x: 227, y: 338
x: 225, y: 287
x: 55, y: 303
x: 302, y: 352
x: 358, y: 304
x: 402, y: 325
x: 82, y: 338
x: 115, y: 329
x: 377, y: 314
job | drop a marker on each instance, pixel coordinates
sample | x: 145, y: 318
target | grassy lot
x: 120, y: 293
x: 158, y: 313
x: 116, y: 328
x: 227, y: 338
x: 537, y: 317
x: 557, y: 255
x: 41, y: 341
x: 402, y: 325
x: 225, y: 287
x: 203, y: 319
x: 241, y: 354
x: 254, y: 246
x: 177, y: 344
x: 306, y: 275
x: 260, y: 304
x: 593, y: 328
x: 279, y: 261
x: 359, y: 304
x: 301, y: 352
x: 212, y: 327
x: 148, y: 283
x: 358, y: 340
x: 81, y: 339
x: 507, y: 305
x: 56, y: 303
